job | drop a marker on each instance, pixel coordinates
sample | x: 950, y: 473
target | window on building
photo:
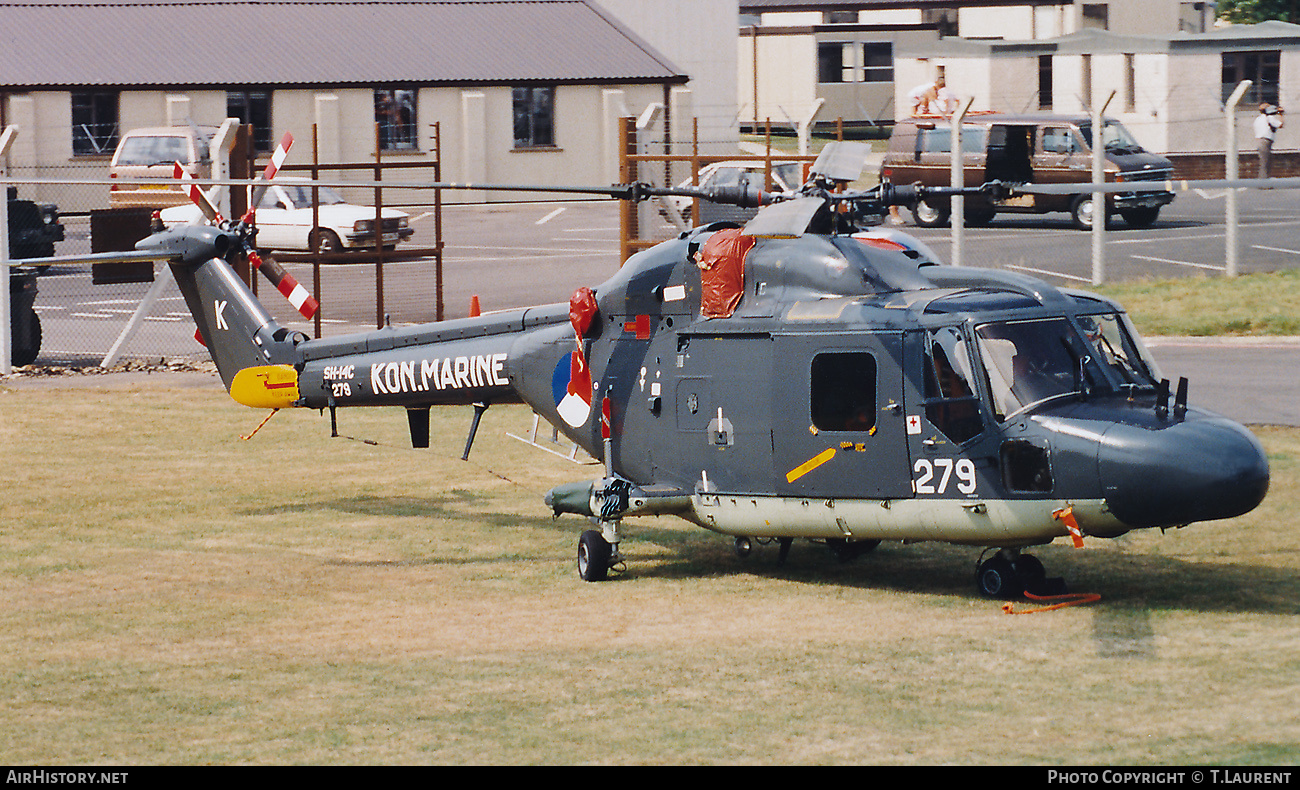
x: 830, y: 63
x: 1085, y: 81
x: 395, y: 115
x: 1191, y: 17
x: 254, y: 109
x: 1096, y: 15
x: 94, y: 123
x: 1130, y: 84
x: 1044, y: 82
x: 878, y: 61
x: 840, y: 17
x: 1261, y: 68
x: 844, y: 391
x: 534, y: 115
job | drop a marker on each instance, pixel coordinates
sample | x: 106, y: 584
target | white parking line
x: 1180, y: 263
x: 1053, y: 274
x: 1274, y: 249
x: 551, y: 216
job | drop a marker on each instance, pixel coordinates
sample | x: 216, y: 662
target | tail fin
x: 237, y: 330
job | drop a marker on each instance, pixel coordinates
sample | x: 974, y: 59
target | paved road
x: 514, y: 255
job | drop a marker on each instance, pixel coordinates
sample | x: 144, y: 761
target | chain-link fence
x: 83, y: 317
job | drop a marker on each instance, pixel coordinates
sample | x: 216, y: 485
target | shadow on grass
x: 1136, y: 581
x: 1125, y: 580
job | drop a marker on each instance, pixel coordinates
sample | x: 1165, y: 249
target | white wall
x: 698, y: 37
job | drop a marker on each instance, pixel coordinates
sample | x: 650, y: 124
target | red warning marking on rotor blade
x: 196, y: 195
x: 277, y: 158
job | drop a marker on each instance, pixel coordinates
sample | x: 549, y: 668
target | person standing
x: 1267, y: 123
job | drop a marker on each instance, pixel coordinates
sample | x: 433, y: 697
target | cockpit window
x: 1031, y: 361
x: 1116, y: 349
x: 950, y: 401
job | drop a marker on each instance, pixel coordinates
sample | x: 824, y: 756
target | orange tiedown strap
x: 1069, y: 599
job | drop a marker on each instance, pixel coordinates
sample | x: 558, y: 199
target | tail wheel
x: 594, y: 554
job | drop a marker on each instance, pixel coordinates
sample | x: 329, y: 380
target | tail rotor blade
x: 197, y: 196
x: 286, y: 284
x: 273, y: 167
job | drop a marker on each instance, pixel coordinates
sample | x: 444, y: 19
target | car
x: 284, y: 219
x: 1038, y: 148
x: 786, y: 177
x: 153, y: 152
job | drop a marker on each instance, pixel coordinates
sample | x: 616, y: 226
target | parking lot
x: 520, y: 254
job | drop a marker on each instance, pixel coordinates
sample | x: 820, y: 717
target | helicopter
x: 800, y: 376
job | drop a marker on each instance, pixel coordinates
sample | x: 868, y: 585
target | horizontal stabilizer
x: 265, y: 387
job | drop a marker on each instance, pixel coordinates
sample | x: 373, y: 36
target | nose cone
x: 1201, y: 468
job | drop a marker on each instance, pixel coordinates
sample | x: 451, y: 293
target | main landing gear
x: 1010, y: 574
x: 598, y: 553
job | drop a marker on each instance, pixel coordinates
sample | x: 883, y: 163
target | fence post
x: 1099, y: 208
x: 957, y: 212
x: 6, y: 335
x: 1230, y: 166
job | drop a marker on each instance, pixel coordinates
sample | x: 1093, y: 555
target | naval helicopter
x: 800, y: 376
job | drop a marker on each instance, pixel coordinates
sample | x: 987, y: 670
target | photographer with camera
x: 1267, y: 123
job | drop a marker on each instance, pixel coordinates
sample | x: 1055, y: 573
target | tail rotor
x: 285, y: 283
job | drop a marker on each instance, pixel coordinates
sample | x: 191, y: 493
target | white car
x: 786, y: 177
x: 284, y: 220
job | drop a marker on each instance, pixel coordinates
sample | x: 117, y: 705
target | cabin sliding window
x: 950, y: 401
x: 843, y: 391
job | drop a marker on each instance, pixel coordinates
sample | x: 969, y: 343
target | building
x: 844, y: 52
x: 523, y: 92
x: 1168, y: 89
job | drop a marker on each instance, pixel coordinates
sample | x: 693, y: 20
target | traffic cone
x: 473, y: 306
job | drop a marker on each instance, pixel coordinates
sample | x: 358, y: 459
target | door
x: 840, y: 423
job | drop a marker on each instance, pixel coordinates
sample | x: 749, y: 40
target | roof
x: 337, y: 43
x: 1272, y: 34
x: 766, y: 6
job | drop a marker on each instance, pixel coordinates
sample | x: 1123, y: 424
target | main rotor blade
x: 129, y: 256
x: 1172, y: 185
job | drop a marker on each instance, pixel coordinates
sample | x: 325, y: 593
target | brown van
x: 1040, y: 149
x: 153, y: 153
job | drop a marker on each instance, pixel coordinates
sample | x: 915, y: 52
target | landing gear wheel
x: 927, y: 215
x: 997, y: 578
x: 743, y: 546
x: 850, y: 550
x: 1030, y: 569
x: 594, y: 554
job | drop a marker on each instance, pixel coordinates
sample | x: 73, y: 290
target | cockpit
x: 1022, y: 363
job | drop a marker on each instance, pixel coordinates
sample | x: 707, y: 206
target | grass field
x: 175, y: 595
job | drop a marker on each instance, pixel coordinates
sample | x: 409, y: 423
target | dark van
x: 1040, y: 149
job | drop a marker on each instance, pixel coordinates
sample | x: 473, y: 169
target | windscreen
x: 1030, y: 361
x: 1115, y: 137
x: 1118, y: 350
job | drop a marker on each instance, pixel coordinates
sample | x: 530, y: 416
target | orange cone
x: 473, y: 306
